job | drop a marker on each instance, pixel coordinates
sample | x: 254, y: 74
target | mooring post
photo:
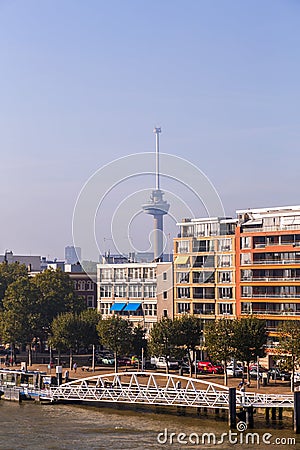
x: 273, y: 413
x: 297, y: 412
x: 232, y: 407
x: 249, y: 416
x: 280, y: 413
x: 267, y: 414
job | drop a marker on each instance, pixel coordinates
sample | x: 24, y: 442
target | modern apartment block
x: 141, y: 292
x: 204, y: 268
x: 268, y: 264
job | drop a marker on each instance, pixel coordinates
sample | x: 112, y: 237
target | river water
x: 29, y: 425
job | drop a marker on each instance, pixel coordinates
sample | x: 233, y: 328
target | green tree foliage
x: 220, y: 342
x: 71, y: 331
x: 187, y: 330
x: 250, y: 340
x: 115, y: 333
x: 20, y: 316
x: 163, y: 340
x: 57, y: 296
x: 139, y: 341
x: 8, y: 274
x: 289, y: 344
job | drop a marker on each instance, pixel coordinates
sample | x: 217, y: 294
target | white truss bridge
x: 146, y: 388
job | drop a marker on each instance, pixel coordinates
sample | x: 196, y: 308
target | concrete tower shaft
x: 157, y: 206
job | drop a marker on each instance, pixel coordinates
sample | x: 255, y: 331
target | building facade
x: 140, y: 292
x: 204, y: 268
x: 268, y: 265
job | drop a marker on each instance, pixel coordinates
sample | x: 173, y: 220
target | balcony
x: 254, y: 279
x: 272, y: 313
x: 270, y: 295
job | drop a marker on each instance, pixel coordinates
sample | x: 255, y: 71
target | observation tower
x: 157, y: 206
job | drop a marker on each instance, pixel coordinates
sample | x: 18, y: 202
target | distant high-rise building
x: 72, y: 254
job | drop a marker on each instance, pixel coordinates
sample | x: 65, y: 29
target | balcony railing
x: 270, y: 261
x: 272, y: 313
x: 269, y: 295
x: 254, y: 279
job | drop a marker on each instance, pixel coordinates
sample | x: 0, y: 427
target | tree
x: 250, y: 340
x: 219, y: 340
x: 139, y: 342
x: 20, y: 317
x: 188, y: 333
x: 289, y: 344
x: 57, y: 296
x: 115, y: 333
x: 10, y: 273
x: 71, y: 331
x: 163, y: 339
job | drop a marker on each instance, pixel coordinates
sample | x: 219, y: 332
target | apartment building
x: 204, y: 268
x: 140, y: 292
x: 268, y: 264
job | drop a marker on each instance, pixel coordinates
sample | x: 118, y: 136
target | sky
x: 84, y: 83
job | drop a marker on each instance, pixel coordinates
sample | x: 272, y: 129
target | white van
x: 160, y: 363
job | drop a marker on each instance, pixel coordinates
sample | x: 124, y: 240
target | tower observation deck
x: 157, y: 207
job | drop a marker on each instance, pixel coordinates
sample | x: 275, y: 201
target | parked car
x: 253, y: 372
x: 238, y: 371
x: 184, y: 366
x: 107, y: 361
x: 160, y: 363
x: 277, y: 374
x: 124, y: 361
x: 209, y: 367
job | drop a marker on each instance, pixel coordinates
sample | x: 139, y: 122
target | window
x: 105, y: 290
x: 246, y: 242
x: 183, y: 292
x: 149, y: 273
x: 135, y: 290
x: 247, y: 291
x: 149, y: 290
x: 90, y: 301
x: 224, y: 245
x: 182, y: 277
x: 105, y: 308
x: 150, y: 309
x: 225, y: 261
x: 81, y: 285
x: 120, y: 290
x: 165, y: 294
x: 225, y: 308
x: 135, y: 273
x: 120, y: 274
x: 89, y: 286
x: 183, y: 247
x: 225, y: 292
x: 165, y: 313
x: 245, y: 258
x: 225, y: 277
x: 106, y: 274
x: 165, y: 276
x: 183, y: 307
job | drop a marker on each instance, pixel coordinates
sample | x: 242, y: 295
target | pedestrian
x: 178, y: 384
x: 66, y: 376
x: 75, y: 367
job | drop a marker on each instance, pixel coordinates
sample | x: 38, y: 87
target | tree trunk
x: 248, y: 374
x: 116, y: 361
x: 293, y: 374
x: 29, y: 357
x: 191, y: 363
x: 71, y: 359
x: 225, y: 373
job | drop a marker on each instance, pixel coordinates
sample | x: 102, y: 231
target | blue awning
x: 132, y: 307
x: 117, y: 306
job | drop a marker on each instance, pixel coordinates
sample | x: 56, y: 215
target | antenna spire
x: 157, y: 131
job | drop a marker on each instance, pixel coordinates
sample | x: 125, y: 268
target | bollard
x: 232, y: 408
x: 249, y: 416
x: 273, y: 413
x: 267, y: 414
x: 297, y: 412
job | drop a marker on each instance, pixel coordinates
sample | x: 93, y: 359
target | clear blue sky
x: 84, y: 82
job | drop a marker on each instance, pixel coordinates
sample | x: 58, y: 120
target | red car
x: 209, y: 367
